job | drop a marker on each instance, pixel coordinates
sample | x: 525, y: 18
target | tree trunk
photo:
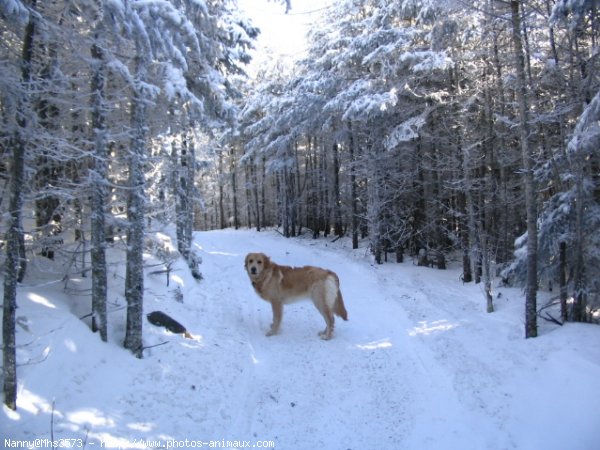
x: 562, y: 281
x: 232, y: 172
x: 134, y: 278
x: 190, y: 174
x: 48, y: 219
x: 337, y: 226
x: 467, y: 275
x: 255, y: 188
x: 353, y: 188
x: 99, y: 174
x: 14, y: 267
x: 183, y: 187
x: 221, y: 182
x: 578, y: 311
x: 13, y: 257
x: 504, y: 251
x: 530, y: 190
x: 487, y: 275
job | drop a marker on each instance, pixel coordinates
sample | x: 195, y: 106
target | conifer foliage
x: 99, y: 102
x: 433, y: 128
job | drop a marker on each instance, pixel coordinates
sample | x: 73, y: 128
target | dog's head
x: 256, y: 263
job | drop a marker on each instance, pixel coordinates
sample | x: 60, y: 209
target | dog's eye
x: 251, y: 261
x: 259, y: 262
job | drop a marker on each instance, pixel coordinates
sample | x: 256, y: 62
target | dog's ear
x: 246, y: 260
x: 266, y: 259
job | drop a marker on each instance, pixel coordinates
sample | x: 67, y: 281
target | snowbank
x: 419, y: 365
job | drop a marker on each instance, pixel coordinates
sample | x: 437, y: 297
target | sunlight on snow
x: 12, y: 415
x: 197, y: 341
x: 166, y: 240
x: 71, y: 345
x: 222, y: 253
x: 177, y: 279
x: 140, y: 426
x: 427, y: 328
x: 90, y: 416
x: 40, y: 300
x: 255, y: 360
x: 32, y: 403
x: 382, y: 343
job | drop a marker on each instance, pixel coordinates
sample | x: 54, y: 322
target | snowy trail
x: 309, y: 393
x: 397, y: 374
x: 418, y: 366
x: 306, y: 392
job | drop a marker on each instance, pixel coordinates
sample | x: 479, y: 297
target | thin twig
x: 52, y: 422
x: 156, y: 345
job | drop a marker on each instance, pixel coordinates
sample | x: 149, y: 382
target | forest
x: 426, y: 128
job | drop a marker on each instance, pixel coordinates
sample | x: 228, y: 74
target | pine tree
x: 14, y: 272
x: 99, y: 175
x: 529, y: 181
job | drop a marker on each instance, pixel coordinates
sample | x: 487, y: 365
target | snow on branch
x: 587, y: 130
x: 14, y: 10
x: 174, y: 81
x: 368, y: 102
x: 427, y: 61
x: 406, y: 131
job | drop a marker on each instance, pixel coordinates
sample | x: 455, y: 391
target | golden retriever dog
x: 281, y: 285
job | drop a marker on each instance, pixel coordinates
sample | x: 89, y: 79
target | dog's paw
x: 270, y: 333
x: 325, y: 335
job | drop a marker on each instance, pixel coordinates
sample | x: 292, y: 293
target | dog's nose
x: 253, y: 270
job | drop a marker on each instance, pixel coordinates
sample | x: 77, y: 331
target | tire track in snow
x: 441, y: 326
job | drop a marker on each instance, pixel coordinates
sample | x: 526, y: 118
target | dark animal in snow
x: 160, y: 319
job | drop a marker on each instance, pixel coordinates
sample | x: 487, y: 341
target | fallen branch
x: 550, y: 318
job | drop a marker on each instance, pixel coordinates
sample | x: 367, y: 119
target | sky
x: 281, y: 33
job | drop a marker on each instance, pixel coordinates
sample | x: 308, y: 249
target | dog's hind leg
x: 324, y: 305
x: 277, y: 315
x: 330, y: 321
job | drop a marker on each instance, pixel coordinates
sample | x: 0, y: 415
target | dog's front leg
x: 277, y: 315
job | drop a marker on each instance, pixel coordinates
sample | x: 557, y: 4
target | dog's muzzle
x: 253, y: 270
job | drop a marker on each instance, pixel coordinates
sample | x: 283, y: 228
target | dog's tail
x: 339, y: 308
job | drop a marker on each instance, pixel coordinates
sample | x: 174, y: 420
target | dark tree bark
x: 562, y: 281
x: 338, y: 227
x: 134, y: 277
x: 221, y: 182
x: 14, y: 270
x: 353, y: 188
x: 99, y: 175
x: 234, y: 193
x: 11, y: 273
x: 530, y: 190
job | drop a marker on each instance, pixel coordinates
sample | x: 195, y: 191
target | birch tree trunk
x: 530, y: 190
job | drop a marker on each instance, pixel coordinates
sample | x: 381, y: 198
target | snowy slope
x: 419, y: 364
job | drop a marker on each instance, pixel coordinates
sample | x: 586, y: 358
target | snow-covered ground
x: 419, y: 365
